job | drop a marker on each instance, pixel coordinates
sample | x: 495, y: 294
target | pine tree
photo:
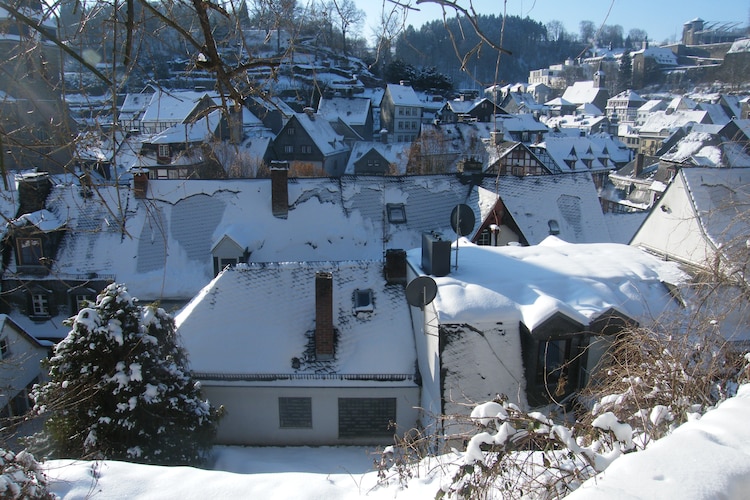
x: 625, y: 72
x: 120, y: 389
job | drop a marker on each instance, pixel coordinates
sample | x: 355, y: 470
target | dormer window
x: 396, y: 213
x: 30, y: 251
x: 363, y: 300
x: 39, y: 305
x: 163, y: 151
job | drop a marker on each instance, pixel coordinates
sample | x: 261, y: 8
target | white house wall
x: 252, y: 413
x: 672, y: 228
x: 427, y: 342
x: 20, y: 365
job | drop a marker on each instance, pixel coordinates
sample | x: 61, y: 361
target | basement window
x: 396, y: 213
x: 363, y: 301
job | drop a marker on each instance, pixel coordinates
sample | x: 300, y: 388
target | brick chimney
x: 279, y: 189
x: 140, y: 183
x: 324, y: 333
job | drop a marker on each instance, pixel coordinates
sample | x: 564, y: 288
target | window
x: 484, y: 237
x: 81, y: 300
x: 363, y: 300
x: 161, y: 173
x: 366, y: 417
x: 290, y: 131
x: 163, y: 151
x: 227, y: 262
x: 4, y: 349
x: 295, y: 413
x: 307, y: 149
x: 29, y: 251
x: 289, y: 149
x: 396, y: 213
x: 552, y: 360
x: 39, y: 304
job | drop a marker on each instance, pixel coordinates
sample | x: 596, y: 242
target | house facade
x: 309, y: 141
x: 483, y: 337
x: 21, y: 358
x: 401, y: 113
x: 308, y: 353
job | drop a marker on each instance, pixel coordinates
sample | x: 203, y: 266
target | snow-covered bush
x: 22, y: 477
x: 119, y: 388
x: 517, y: 454
x: 655, y: 381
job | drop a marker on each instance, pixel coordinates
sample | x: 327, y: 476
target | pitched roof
x: 172, y: 106
x: 569, y: 199
x: 244, y: 295
x: 322, y: 134
x: 353, y: 111
x: 394, y: 153
x: 403, y: 95
x: 161, y: 246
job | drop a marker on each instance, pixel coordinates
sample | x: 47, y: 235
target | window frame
x: 31, y: 259
x: 40, y: 304
x: 396, y: 213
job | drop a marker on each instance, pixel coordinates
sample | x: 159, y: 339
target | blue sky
x: 661, y: 19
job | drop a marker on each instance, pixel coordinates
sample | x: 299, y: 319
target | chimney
x: 638, y: 165
x: 324, y: 334
x: 33, y: 189
x: 140, y: 183
x: 395, y: 266
x: 279, y: 189
x: 384, y: 136
x: 310, y: 112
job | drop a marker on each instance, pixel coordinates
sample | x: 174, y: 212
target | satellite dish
x: 462, y: 220
x: 421, y: 291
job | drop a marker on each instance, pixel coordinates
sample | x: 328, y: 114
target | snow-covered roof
x: 570, y: 199
x: 200, y: 130
x: 394, y: 153
x: 628, y: 95
x: 352, y: 110
x: 322, y: 134
x: 581, y: 92
x: 172, y: 106
x: 403, y: 95
x: 564, y: 149
x: 662, y: 56
x: 742, y: 45
x: 660, y: 121
x: 267, y: 312
x: 531, y: 284
x: 160, y: 247
x: 700, y: 147
x: 44, y: 220
x: 719, y: 197
x: 652, y: 105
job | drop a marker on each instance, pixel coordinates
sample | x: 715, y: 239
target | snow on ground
x: 704, y: 459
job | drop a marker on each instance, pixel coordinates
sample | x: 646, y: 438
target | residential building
x: 401, y: 113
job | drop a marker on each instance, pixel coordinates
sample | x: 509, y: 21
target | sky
x: 661, y: 19
x: 703, y: 459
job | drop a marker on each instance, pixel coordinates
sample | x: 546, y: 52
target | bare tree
x: 348, y: 16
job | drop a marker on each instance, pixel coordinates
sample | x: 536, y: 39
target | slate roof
x: 569, y: 199
x: 160, y: 247
x: 403, y: 95
x: 322, y: 134
x: 395, y: 153
x: 353, y: 111
x: 244, y: 295
x: 720, y: 198
x: 172, y: 106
